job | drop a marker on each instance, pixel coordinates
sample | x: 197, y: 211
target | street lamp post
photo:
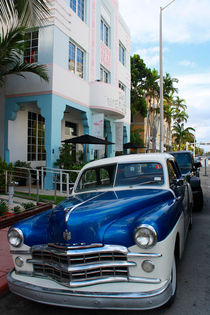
x: 161, y: 79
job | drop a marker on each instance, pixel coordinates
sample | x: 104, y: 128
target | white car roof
x: 144, y: 157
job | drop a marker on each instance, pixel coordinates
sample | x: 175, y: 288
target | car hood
x: 85, y: 218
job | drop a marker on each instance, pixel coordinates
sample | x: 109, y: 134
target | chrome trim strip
x: 102, y: 265
x: 79, y: 204
x: 89, y: 300
x: 83, y: 267
x: 20, y: 252
x: 74, y: 251
x: 149, y: 255
x: 75, y: 246
x: 77, y: 284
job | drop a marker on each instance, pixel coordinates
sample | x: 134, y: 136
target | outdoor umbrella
x: 130, y: 145
x: 87, y: 139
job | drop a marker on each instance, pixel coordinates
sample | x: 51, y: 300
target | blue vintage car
x: 113, y: 244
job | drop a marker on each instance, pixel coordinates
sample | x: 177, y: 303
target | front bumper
x: 90, y: 300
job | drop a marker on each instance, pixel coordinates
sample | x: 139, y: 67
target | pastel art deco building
x: 85, y: 45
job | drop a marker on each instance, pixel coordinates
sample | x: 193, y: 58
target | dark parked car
x: 113, y: 243
x: 190, y: 169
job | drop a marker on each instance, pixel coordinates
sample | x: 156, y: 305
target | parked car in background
x: 190, y: 169
x: 113, y: 244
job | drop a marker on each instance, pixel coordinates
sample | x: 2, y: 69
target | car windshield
x: 184, y: 162
x: 131, y: 174
x: 137, y: 174
x: 97, y: 178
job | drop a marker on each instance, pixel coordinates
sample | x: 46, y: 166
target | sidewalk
x: 6, y: 262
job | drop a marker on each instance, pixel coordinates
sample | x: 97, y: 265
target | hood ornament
x: 66, y: 235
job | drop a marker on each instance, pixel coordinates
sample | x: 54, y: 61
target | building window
x: 104, y: 33
x: 78, y: 6
x: 76, y: 60
x: 104, y: 75
x: 31, y: 44
x: 70, y: 129
x: 121, y: 53
x: 36, y: 137
x: 122, y: 86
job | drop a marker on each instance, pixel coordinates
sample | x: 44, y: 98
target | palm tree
x: 182, y: 135
x: 168, y: 86
x: 15, y: 17
x: 11, y: 61
x: 179, y: 110
x: 27, y: 12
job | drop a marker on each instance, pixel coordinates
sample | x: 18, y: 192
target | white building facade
x: 85, y: 46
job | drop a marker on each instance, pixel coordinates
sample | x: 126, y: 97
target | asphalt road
x: 193, y: 276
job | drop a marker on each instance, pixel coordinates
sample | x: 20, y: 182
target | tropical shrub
x: 28, y: 205
x: 3, y: 167
x: 3, y: 208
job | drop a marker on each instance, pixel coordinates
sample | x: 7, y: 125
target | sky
x: 186, y: 50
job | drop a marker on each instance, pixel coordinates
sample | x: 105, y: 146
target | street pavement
x: 193, y: 274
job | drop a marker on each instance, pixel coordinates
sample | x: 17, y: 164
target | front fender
x: 35, y: 229
x: 163, y: 217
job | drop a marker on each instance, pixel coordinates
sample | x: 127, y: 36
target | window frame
x: 78, y: 6
x: 105, y: 32
x: 121, y: 86
x: 29, y: 56
x: 105, y: 73
x: 75, y: 69
x: 35, y: 142
x: 122, y: 53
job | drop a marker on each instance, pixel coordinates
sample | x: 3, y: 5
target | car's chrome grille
x: 79, y: 266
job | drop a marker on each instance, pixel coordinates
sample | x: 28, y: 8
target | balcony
x: 107, y: 99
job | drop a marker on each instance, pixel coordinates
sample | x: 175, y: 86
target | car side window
x: 172, y: 172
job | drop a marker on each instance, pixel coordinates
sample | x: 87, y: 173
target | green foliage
x: 138, y: 103
x: 15, y: 18
x: 17, y: 209
x: 139, y: 74
x: 168, y: 86
x: 67, y: 160
x: 67, y: 156
x: 181, y: 135
x: 28, y: 205
x: 3, y: 208
x: 26, y: 12
x: 3, y: 167
x: 19, y: 163
x: 12, y: 47
x: 136, y: 137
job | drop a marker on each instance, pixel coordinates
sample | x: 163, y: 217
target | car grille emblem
x: 67, y: 235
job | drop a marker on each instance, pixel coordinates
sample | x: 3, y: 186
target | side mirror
x: 197, y: 164
x: 179, y: 181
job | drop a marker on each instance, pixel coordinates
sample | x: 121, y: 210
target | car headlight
x: 15, y: 237
x: 145, y: 236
